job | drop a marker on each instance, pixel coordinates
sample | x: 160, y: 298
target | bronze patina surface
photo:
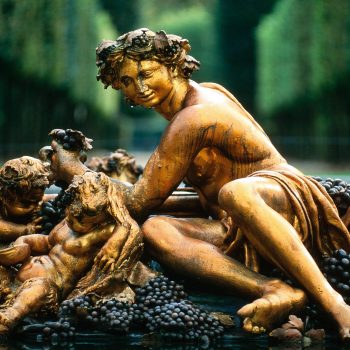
x: 241, y: 179
x: 53, y: 264
x: 262, y: 210
x: 22, y: 185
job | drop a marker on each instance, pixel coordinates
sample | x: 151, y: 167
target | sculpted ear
x: 174, y: 71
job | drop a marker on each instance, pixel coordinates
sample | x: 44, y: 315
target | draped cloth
x: 316, y: 221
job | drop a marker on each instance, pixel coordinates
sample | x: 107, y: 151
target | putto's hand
x: 37, y: 221
x: 60, y: 156
x: 32, y: 229
x: 106, y: 258
x: 109, y: 266
x: 64, y: 163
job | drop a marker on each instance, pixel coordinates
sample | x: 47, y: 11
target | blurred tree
x: 303, y: 75
x: 236, y: 23
x: 124, y: 13
x: 192, y: 20
x: 48, y: 50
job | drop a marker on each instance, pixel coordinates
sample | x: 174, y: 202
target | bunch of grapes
x: 76, y: 309
x: 160, y: 306
x: 170, y: 50
x: 71, y: 140
x: 182, y: 321
x: 53, y: 211
x: 337, y: 271
x: 117, y: 316
x: 55, y: 332
x: 67, y: 140
x: 50, y: 215
x: 107, y: 315
x: 158, y: 291
x: 338, y: 190
x: 113, y: 315
x: 141, y: 40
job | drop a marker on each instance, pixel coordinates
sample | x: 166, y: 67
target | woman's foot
x: 341, y: 314
x: 278, y: 301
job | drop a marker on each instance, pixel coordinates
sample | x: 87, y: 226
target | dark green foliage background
x: 288, y: 61
x: 303, y: 77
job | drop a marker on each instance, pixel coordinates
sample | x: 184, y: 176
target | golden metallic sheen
x: 264, y: 211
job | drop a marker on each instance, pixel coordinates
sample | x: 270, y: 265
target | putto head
x: 119, y: 165
x: 22, y: 175
x: 143, y: 44
x: 94, y: 194
x: 87, y: 194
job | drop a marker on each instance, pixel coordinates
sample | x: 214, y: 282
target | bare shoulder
x: 203, y: 106
x: 195, y: 117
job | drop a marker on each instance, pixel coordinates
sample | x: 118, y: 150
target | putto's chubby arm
x: 9, y: 231
x: 184, y: 137
x: 79, y: 245
x: 38, y: 243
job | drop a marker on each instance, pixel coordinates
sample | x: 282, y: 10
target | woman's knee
x: 237, y: 196
x: 154, y: 227
x: 161, y: 235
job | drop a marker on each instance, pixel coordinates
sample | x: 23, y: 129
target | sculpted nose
x: 141, y: 86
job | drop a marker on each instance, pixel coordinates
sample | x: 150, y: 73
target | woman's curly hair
x: 143, y: 44
x: 23, y: 174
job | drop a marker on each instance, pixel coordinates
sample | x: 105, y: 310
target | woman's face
x: 147, y: 83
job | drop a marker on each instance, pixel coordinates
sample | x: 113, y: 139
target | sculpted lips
x: 146, y: 97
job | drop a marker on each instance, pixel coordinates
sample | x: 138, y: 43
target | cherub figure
x: 53, y: 264
x: 22, y: 185
x: 118, y: 165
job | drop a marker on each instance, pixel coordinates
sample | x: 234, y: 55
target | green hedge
x: 195, y: 23
x: 303, y: 73
x: 48, y: 79
x: 54, y: 41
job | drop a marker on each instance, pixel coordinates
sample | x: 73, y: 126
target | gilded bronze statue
x: 262, y: 210
x: 22, y: 185
x: 53, y: 264
x: 257, y: 200
x: 118, y: 165
x: 346, y: 218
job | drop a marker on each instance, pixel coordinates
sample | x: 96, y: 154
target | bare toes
x: 345, y: 334
x: 247, y: 310
x: 251, y: 327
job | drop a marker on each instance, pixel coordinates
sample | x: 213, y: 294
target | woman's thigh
x: 211, y: 231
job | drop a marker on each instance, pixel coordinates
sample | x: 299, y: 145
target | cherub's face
x: 82, y: 221
x: 23, y: 205
x: 147, y: 83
